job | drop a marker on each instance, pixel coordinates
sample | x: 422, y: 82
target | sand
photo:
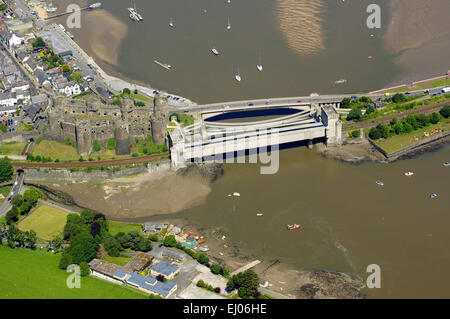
x: 419, y: 31
x: 301, y: 25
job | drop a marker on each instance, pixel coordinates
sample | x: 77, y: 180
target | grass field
x: 399, y: 141
x: 121, y: 260
x: 13, y: 148
x: 56, y: 150
x: 443, y: 82
x: 46, y: 221
x: 25, y: 273
x: 117, y: 227
x: 4, y: 190
x: 142, y: 97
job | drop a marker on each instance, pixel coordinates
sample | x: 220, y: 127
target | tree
x: 126, y: 91
x: 55, y: 243
x: 84, y: 269
x: 355, y: 114
x: 25, y: 208
x: 65, y: 260
x: 398, y: 98
x: 31, y: 196
x: 355, y: 133
x: 12, y: 216
x: 203, y: 259
x: 111, y: 144
x: 345, y: 103
x: 112, y: 246
x: 6, y: 170
x: 96, y: 146
x: 246, y: 282
x: 38, y: 43
x: 435, y: 118
x: 17, y: 200
x: 445, y: 111
x: 82, y: 248
x: 76, y: 76
x: 170, y: 241
x: 3, y: 127
x: 65, y: 68
x: 31, y: 238
x: 136, y: 91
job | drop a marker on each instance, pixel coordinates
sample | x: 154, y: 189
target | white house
x: 15, y: 41
x: 8, y: 99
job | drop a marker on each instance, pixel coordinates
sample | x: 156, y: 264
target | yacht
x: 379, y: 183
x: 228, y: 24
x: 171, y: 23
x: 214, y: 50
x: 446, y: 164
x: 293, y: 227
x: 409, y: 173
x: 259, y: 65
x: 237, y: 77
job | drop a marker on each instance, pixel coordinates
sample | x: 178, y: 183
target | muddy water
x: 348, y: 221
x: 304, y: 47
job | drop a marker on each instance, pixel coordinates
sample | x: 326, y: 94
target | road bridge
x: 211, y: 141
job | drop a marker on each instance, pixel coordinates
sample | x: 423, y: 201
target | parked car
x: 354, y: 97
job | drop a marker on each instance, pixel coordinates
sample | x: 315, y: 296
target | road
x: 16, y: 188
x: 281, y: 102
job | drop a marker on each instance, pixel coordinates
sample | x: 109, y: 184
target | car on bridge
x: 225, y: 106
x: 299, y: 101
x: 250, y: 104
x: 268, y: 102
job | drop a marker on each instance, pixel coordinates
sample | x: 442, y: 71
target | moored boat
x: 293, y: 227
x: 433, y: 195
x: 379, y: 183
x: 409, y: 173
x: 214, y: 51
x: 446, y: 164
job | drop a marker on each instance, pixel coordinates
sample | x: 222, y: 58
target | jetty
x: 91, y: 7
x: 246, y: 267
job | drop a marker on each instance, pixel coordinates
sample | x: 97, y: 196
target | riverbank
x: 419, y: 33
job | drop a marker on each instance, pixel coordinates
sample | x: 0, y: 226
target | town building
x: 165, y: 268
x: 173, y: 255
x: 154, y: 227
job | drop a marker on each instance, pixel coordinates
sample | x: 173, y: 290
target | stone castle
x: 87, y: 120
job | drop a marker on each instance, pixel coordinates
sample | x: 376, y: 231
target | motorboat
x: 259, y: 214
x: 433, y: 195
x: 228, y: 24
x: 171, y: 23
x: 409, y: 173
x: 236, y: 194
x: 447, y: 164
x: 259, y: 67
x: 237, y: 77
x: 379, y: 183
x: 214, y: 51
x: 293, y: 227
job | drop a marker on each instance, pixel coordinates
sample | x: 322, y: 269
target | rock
x: 209, y: 171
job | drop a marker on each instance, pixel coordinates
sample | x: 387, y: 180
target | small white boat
x: 214, y: 51
x: 409, y: 173
x: 237, y: 77
x: 204, y: 249
x: 379, y: 183
x: 446, y: 164
x: 259, y: 67
x: 236, y: 194
x: 433, y: 195
x: 228, y: 24
x: 50, y: 9
x: 171, y: 23
x: 259, y: 214
x: 341, y: 81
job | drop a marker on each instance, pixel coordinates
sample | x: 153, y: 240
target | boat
x: 259, y: 65
x: 171, y: 23
x: 409, y: 173
x: 433, y: 195
x: 214, y: 50
x: 293, y: 227
x: 446, y: 164
x: 51, y: 9
x: 341, y: 81
x: 259, y: 214
x: 237, y: 77
x: 134, y: 15
x: 379, y: 183
x: 204, y: 249
x: 236, y: 194
x: 94, y: 6
x: 228, y: 24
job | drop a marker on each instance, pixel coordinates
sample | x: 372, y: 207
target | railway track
x: 115, y: 162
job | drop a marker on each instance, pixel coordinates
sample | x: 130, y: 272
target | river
x: 303, y: 46
x: 347, y: 220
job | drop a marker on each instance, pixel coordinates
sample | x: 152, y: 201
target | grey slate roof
x: 165, y: 267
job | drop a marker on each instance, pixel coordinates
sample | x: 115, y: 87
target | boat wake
x: 301, y: 24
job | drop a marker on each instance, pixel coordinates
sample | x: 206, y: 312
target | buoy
x: 370, y: 57
x: 382, y: 218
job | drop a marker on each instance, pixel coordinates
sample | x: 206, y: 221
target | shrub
x: 96, y: 146
x: 111, y: 144
x: 355, y: 133
x: 445, y: 111
x: 217, y: 290
x: 84, y: 269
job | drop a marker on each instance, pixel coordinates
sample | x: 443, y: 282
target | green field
x: 142, y: 97
x: 46, y: 221
x: 121, y: 260
x: 397, y: 142
x: 443, y: 82
x: 13, y: 148
x: 4, y: 190
x: 56, y: 150
x: 25, y: 273
x: 117, y: 227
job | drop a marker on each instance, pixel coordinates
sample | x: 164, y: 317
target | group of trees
x: 406, y: 125
x: 87, y: 231
x: 445, y: 111
x: 220, y: 270
x: 6, y: 170
x: 38, y: 43
x: 21, y: 205
x: 246, y: 283
x: 357, y: 106
x: 53, y: 60
x: 204, y: 285
x: 14, y: 236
